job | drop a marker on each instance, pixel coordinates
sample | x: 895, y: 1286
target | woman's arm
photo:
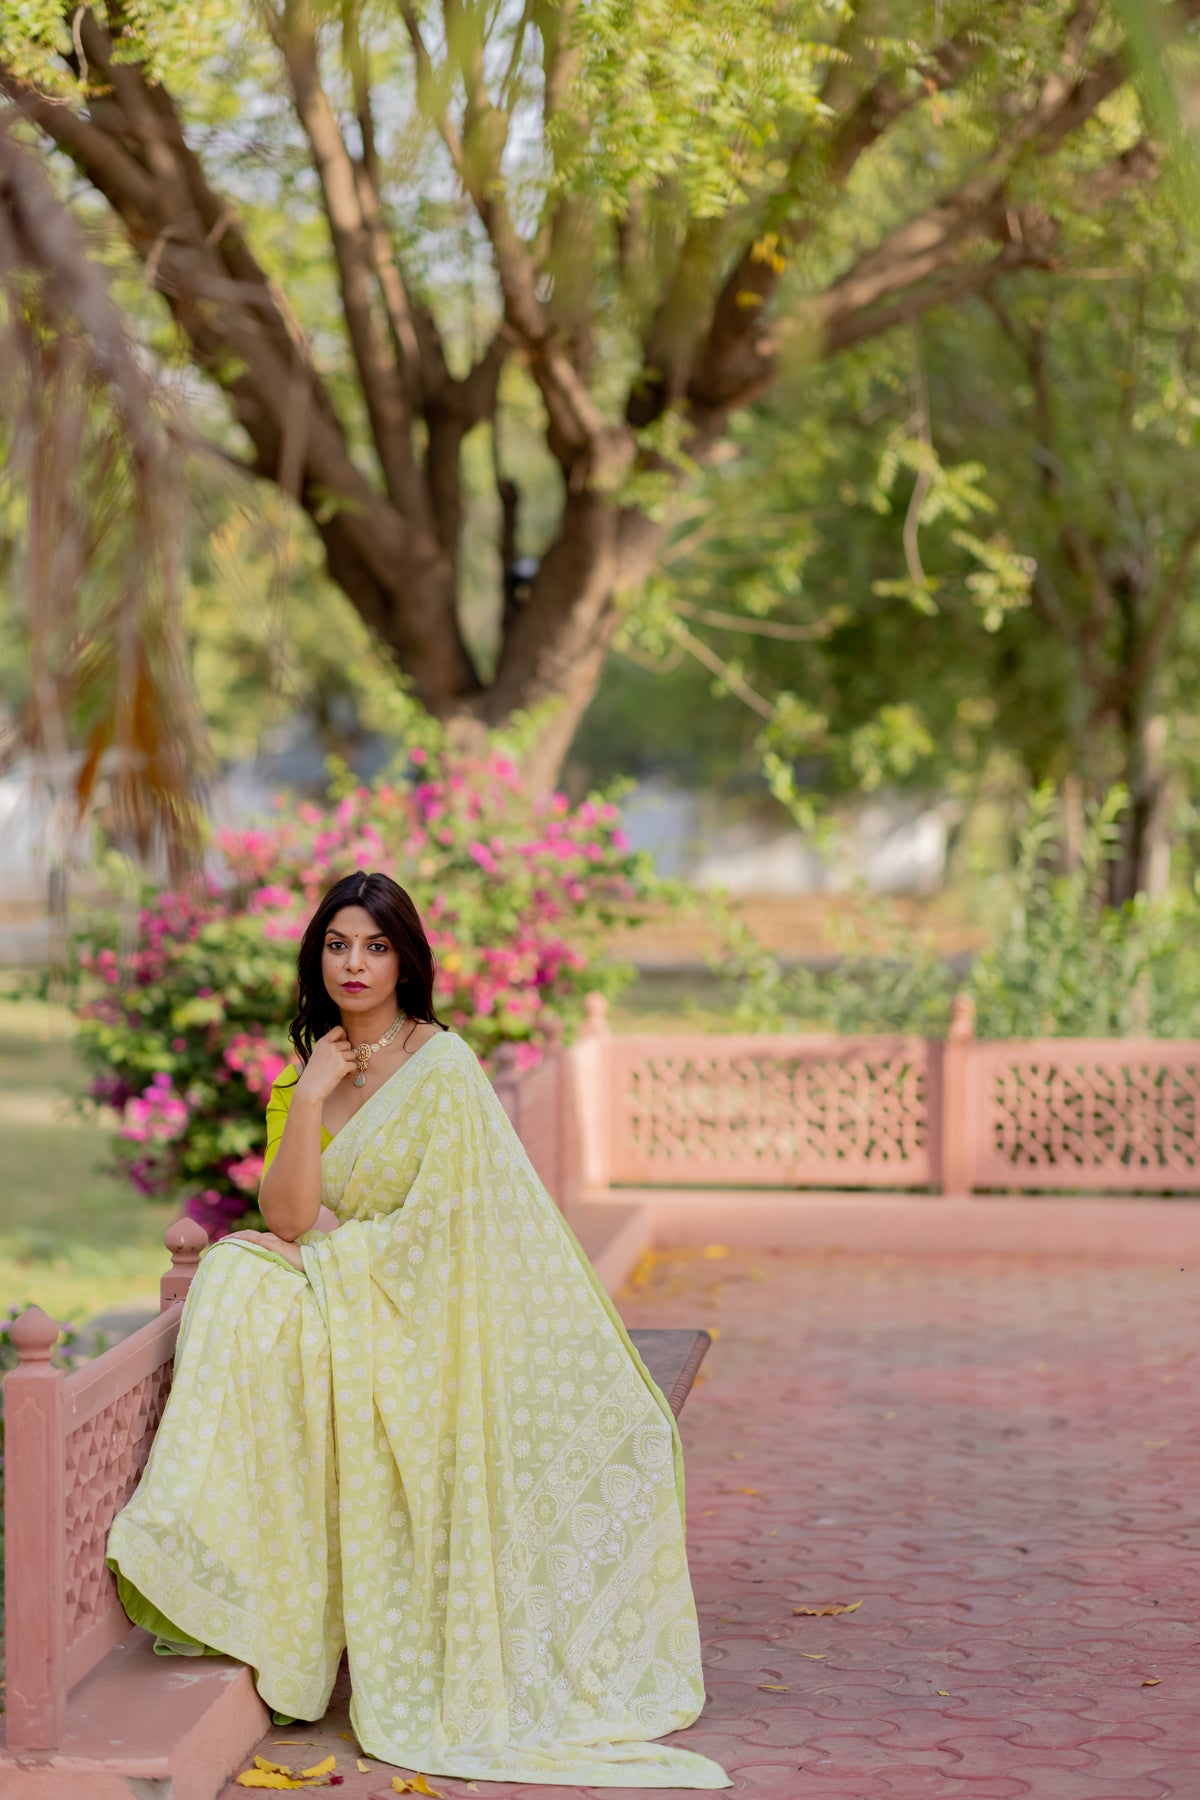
x: 290, y: 1196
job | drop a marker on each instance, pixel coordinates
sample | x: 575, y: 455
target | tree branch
x: 578, y: 427
x: 1166, y: 611
x: 738, y: 360
x: 243, y: 335
x: 737, y: 340
x: 383, y: 391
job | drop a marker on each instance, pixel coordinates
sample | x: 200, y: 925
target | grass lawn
x: 72, y: 1239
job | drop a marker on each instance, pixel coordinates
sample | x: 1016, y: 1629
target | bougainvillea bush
x: 185, y: 1028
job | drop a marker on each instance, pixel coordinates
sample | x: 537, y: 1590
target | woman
x: 423, y: 1435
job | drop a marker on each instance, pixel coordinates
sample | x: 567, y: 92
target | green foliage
x: 1062, y: 964
x: 954, y: 549
x: 885, y: 978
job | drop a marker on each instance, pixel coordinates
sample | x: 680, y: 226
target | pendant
x: 360, y: 1079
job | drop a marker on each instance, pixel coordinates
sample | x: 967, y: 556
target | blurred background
x: 782, y: 422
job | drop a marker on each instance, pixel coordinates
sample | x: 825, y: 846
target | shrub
x: 1062, y: 963
x: 184, y: 1030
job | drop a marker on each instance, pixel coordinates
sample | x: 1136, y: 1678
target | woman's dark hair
x: 398, y: 921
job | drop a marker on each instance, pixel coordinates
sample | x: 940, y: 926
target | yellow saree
x: 438, y: 1448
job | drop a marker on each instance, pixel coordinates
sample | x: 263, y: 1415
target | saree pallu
x: 437, y: 1448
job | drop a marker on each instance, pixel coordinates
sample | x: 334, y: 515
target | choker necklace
x: 364, y: 1052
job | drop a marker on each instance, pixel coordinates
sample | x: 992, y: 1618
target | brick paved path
x: 999, y: 1459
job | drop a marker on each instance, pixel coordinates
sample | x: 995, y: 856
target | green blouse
x: 282, y: 1089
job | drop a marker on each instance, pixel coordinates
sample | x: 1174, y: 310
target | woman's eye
x: 335, y: 944
x: 382, y: 948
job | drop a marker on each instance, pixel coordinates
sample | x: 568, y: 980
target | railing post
x: 592, y: 1073
x: 958, y: 1121
x: 35, y: 1538
x: 185, y: 1239
x: 507, y: 1084
x: 560, y: 1183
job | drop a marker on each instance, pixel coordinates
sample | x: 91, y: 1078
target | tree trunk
x: 1142, y: 865
x: 558, y: 642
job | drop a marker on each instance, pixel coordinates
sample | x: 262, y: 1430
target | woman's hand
x: 331, y: 1061
x: 268, y: 1241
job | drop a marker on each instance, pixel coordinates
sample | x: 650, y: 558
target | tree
x: 1002, y: 558
x: 642, y: 203
x: 1103, y: 397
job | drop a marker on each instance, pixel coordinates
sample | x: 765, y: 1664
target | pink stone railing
x: 75, y: 1446
x: 774, y: 1111
x: 649, y: 1109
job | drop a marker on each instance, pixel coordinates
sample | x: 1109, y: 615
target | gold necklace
x: 364, y: 1052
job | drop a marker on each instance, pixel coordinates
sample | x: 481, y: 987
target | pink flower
x: 246, y: 1173
x: 482, y: 855
x: 159, y: 1116
x: 270, y: 899
x: 254, y: 1058
x: 418, y: 756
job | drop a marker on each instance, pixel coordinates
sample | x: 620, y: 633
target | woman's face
x: 359, y: 964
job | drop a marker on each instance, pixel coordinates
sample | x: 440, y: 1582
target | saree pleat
x: 499, y: 1537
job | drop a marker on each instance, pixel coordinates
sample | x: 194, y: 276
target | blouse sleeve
x: 277, y: 1111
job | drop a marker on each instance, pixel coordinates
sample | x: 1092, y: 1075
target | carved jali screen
x: 1066, y: 1113
x: 777, y: 1112
x: 105, y: 1456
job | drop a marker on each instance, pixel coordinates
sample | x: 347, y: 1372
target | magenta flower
x: 218, y: 1213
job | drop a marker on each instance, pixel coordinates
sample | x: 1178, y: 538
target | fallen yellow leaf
x: 364, y: 1768
x: 267, y: 1774
x: 1153, y: 1682
x: 714, y: 1251
x: 274, y: 1778
x: 742, y: 1490
x: 813, y: 1655
x: 348, y: 1735
x: 772, y: 1687
x: 417, y: 1785
x: 942, y: 1694
x: 833, y: 1611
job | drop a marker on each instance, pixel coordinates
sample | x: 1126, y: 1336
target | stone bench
x: 92, y: 1713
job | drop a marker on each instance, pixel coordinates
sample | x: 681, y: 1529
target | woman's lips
x: 354, y: 987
